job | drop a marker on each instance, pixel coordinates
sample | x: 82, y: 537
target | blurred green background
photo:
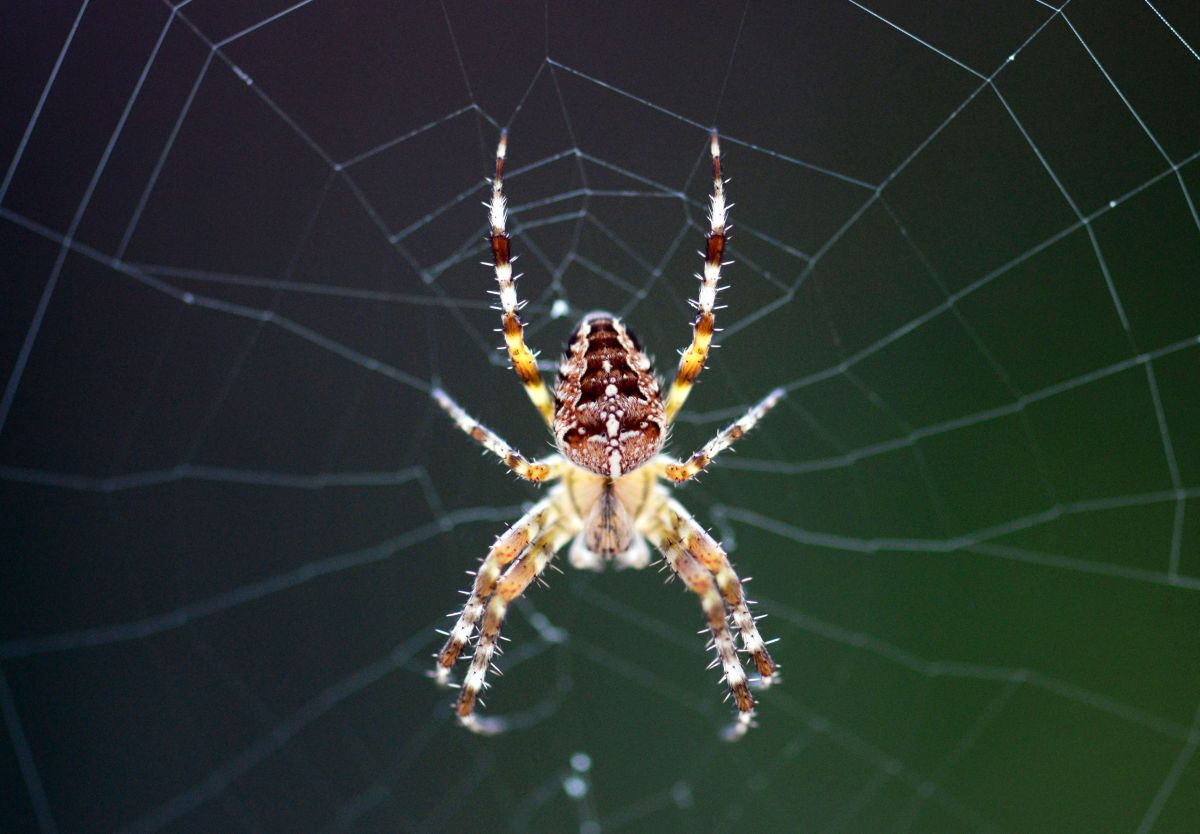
x: 239, y: 248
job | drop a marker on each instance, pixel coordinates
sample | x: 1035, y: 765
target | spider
x: 610, y: 421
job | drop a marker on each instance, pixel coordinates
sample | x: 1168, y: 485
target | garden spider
x: 609, y: 421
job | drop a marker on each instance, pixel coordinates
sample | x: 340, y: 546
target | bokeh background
x: 239, y: 247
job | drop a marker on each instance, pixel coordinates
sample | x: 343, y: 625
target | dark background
x: 239, y: 247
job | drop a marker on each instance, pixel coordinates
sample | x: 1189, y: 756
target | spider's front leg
x: 679, y: 471
x: 708, y: 552
x: 693, y: 359
x: 511, y: 585
x: 702, y: 583
x: 537, y: 471
x: 508, y: 546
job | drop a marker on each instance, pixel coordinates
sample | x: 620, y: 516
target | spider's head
x: 609, y: 416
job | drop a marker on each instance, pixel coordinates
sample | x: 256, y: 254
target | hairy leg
x: 693, y: 358
x: 510, y: 586
x: 524, y: 360
x: 679, y: 471
x: 508, y: 546
x: 536, y: 471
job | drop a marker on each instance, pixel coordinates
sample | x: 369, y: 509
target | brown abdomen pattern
x: 609, y: 416
x: 606, y: 363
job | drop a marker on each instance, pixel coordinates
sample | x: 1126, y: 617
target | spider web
x: 240, y: 243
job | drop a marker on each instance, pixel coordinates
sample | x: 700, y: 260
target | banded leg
x: 692, y: 360
x: 524, y: 361
x: 709, y: 553
x: 536, y: 471
x: 701, y: 583
x: 510, y: 586
x: 679, y: 471
x: 506, y: 548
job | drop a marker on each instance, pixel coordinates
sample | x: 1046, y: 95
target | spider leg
x: 691, y: 362
x: 510, y: 586
x: 679, y: 471
x: 708, y: 552
x: 507, y: 547
x: 524, y: 361
x: 537, y: 471
x: 702, y: 583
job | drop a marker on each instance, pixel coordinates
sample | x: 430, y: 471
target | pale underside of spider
x: 610, y: 421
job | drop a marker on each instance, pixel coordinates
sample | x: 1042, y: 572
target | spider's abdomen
x: 609, y: 416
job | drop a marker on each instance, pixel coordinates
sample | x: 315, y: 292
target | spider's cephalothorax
x: 610, y: 421
x: 608, y: 416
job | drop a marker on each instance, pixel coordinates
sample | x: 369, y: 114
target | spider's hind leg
x: 524, y: 360
x: 691, y: 362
